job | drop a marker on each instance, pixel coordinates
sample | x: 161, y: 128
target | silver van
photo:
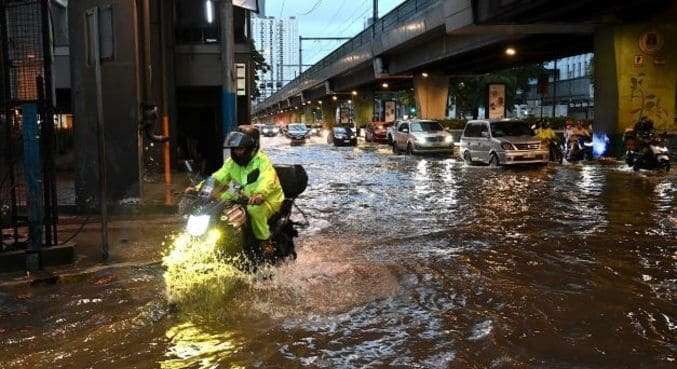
x: 501, y: 142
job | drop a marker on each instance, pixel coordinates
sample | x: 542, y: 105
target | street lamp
x: 510, y: 51
x: 385, y: 85
x: 209, y: 11
x: 354, y: 93
x: 424, y: 75
x: 334, y: 98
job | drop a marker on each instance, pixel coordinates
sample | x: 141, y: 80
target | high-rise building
x: 262, y: 8
x: 277, y: 39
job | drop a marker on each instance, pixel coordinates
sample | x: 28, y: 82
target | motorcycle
x: 556, y: 150
x: 649, y: 152
x: 207, y: 211
x: 579, y: 148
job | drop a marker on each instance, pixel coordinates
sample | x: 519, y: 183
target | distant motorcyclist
x: 545, y: 133
x: 576, y: 138
x: 549, y: 140
x: 265, y: 193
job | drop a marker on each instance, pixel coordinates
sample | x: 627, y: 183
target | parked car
x: 342, y: 135
x: 270, y: 130
x: 422, y: 136
x: 376, y: 131
x: 297, y: 133
x: 501, y: 143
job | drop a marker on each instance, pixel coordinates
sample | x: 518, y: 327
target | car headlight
x: 507, y: 146
x: 449, y: 139
x: 197, y: 225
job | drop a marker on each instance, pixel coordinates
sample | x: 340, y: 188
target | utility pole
x: 375, y: 15
x: 228, y: 100
x: 300, y: 55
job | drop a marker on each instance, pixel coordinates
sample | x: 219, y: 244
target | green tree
x: 260, y: 65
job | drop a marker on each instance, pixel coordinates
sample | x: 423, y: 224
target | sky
x: 327, y: 18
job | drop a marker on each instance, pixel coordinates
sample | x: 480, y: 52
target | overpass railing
x: 383, y: 25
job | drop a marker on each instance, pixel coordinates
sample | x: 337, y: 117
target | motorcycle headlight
x: 507, y: 146
x: 197, y: 225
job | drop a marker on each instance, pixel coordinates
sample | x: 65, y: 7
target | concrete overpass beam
x: 431, y: 92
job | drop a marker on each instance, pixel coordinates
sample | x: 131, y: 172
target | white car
x: 422, y: 136
x: 502, y: 143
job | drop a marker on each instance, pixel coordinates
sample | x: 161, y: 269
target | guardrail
x: 383, y: 25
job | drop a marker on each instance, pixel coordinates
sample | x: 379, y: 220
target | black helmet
x: 246, y: 137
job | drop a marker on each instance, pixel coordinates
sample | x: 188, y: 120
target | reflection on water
x: 191, y: 347
x: 409, y: 262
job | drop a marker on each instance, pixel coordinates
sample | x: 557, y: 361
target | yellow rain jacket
x: 267, y: 185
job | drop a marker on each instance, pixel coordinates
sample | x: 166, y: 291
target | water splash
x: 600, y: 143
x: 201, y: 274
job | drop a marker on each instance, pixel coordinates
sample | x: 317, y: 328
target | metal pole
x: 228, y: 100
x: 93, y: 14
x: 300, y: 55
x: 554, y: 89
x: 51, y: 203
x: 32, y: 168
x: 166, y: 147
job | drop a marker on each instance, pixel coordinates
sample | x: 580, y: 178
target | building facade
x: 157, y: 53
x: 277, y: 39
x: 569, y: 88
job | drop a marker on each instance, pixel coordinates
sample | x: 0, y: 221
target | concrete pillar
x: 636, y: 75
x: 363, y: 105
x: 431, y: 95
x: 329, y: 114
x: 308, y: 116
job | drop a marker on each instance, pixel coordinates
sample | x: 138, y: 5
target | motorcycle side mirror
x: 253, y: 176
x: 189, y: 167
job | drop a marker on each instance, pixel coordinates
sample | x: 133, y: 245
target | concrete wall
x: 631, y: 82
x: 120, y: 105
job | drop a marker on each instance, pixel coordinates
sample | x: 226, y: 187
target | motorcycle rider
x: 546, y: 134
x: 575, y: 135
x: 265, y: 193
x: 548, y: 138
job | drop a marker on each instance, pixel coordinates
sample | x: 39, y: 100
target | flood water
x: 408, y: 262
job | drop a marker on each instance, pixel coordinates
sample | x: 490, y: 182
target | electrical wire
x: 351, y: 19
x: 315, y: 6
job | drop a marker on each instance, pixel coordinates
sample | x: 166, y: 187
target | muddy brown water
x: 409, y: 262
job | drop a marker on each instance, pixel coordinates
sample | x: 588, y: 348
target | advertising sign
x: 496, y: 101
x: 390, y: 111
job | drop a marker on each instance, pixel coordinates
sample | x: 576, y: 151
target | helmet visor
x: 237, y: 140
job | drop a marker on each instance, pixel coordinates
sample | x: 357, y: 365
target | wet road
x: 409, y: 262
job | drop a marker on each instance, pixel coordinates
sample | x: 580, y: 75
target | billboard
x: 496, y: 101
x: 389, y: 111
